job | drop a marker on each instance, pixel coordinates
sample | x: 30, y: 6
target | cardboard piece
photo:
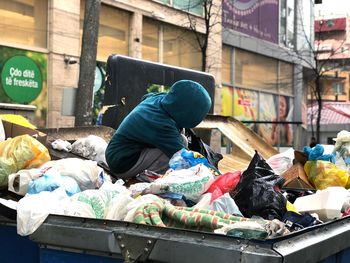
x: 296, y: 178
x: 300, y: 157
x: 12, y: 130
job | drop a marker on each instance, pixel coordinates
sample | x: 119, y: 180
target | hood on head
x: 187, y: 103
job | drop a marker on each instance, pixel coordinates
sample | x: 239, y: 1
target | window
x: 150, y: 40
x: 191, y: 6
x: 287, y: 14
x: 24, y: 22
x: 255, y: 71
x: 338, y: 88
x: 226, y: 64
x: 113, y: 33
x: 305, y: 14
x: 285, y: 83
x: 180, y: 48
x: 170, y: 45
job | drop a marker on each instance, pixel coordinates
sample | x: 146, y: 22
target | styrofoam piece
x: 326, y: 203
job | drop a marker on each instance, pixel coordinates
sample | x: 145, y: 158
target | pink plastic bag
x: 223, y: 184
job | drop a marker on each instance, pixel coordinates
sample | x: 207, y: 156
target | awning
x: 332, y: 113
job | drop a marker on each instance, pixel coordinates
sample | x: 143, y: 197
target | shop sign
x: 21, y: 79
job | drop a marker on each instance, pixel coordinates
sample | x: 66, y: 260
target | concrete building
x: 253, y: 52
x: 48, y: 33
x: 332, y: 35
x: 266, y: 55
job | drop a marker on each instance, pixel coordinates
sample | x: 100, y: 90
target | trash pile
x: 271, y: 198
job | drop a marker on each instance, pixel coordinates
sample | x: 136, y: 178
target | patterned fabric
x: 164, y: 214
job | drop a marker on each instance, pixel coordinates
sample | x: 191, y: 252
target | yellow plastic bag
x: 323, y: 174
x: 21, y: 152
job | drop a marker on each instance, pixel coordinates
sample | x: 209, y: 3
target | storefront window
x: 286, y: 78
x: 255, y: 71
x: 150, y: 40
x: 226, y: 64
x: 180, y: 48
x: 113, y: 33
x: 24, y: 22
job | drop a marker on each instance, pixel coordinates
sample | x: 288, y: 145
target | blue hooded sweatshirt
x: 156, y: 123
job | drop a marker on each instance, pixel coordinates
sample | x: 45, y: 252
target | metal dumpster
x: 106, y: 240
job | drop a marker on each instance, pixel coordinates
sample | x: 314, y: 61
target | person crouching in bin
x: 151, y: 133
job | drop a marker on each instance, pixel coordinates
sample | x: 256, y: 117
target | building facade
x: 252, y: 52
x: 47, y: 34
x: 266, y: 54
x: 332, y: 44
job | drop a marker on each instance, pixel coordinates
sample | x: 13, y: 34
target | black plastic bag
x: 196, y: 144
x: 258, y: 191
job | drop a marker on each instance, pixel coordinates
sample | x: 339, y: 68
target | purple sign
x: 257, y: 18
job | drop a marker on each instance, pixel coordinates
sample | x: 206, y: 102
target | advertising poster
x: 268, y: 113
x: 257, y: 18
x: 226, y: 101
x: 24, y: 80
x: 245, y: 105
x: 275, y: 108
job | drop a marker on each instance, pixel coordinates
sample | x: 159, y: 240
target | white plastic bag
x: 97, y: 203
x: 91, y: 147
x: 118, y: 207
x: 86, y: 172
x: 225, y: 204
x: 18, y: 182
x: 191, y: 182
x: 61, y: 145
x: 32, y: 210
x: 281, y: 162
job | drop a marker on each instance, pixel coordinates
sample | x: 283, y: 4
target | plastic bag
x: 86, y: 172
x: 61, y: 145
x: 223, y: 184
x: 317, y: 153
x: 52, y: 180
x: 196, y: 144
x: 192, y: 182
x: 323, y: 174
x: 18, y: 182
x: 225, y: 204
x: 185, y: 159
x: 90, y: 203
x: 281, y: 162
x: 258, y: 191
x: 91, y: 147
x: 21, y: 152
x: 117, y: 208
x: 342, y: 150
x: 32, y: 210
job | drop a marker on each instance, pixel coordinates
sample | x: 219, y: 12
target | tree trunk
x: 83, y: 106
x: 319, y: 110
